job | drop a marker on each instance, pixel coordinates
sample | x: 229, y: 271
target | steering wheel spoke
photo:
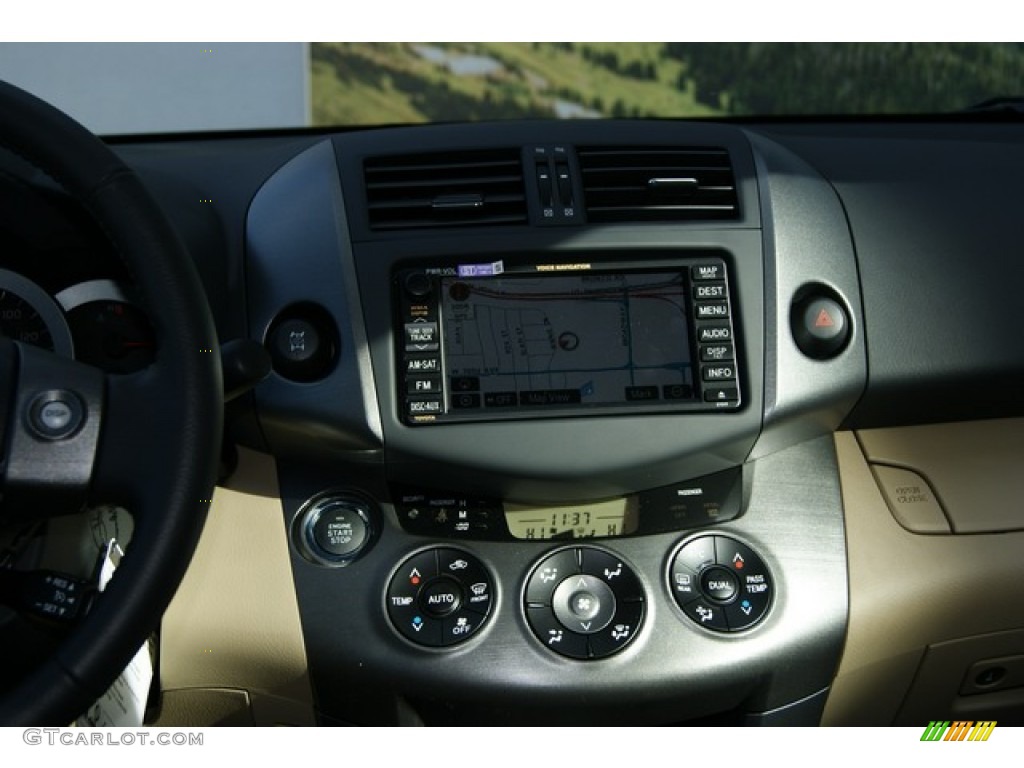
x: 53, y: 408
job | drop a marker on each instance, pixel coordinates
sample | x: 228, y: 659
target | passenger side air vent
x: 658, y: 184
x: 447, y: 189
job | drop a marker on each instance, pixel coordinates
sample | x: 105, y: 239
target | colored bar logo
x: 958, y: 730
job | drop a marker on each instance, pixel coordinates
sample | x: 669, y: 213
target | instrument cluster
x: 96, y: 322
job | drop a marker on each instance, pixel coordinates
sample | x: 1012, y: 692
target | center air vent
x: 446, y: 189
x: 658, y: 184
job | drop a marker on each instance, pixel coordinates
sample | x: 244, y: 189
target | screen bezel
x: 591, y: 263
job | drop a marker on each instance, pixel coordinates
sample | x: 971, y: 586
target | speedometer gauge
x: 29, y: 315
x: 110, y: 332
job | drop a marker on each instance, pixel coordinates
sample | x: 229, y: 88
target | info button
x: 718, y: 372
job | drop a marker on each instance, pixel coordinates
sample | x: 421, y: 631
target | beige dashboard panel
x: 232, y: 640
x: 910, y: 591
x: 974, y: 467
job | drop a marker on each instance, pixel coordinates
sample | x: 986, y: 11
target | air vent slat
x: 427, y: 202
x: 622, y: 184
x: 382, y: 186
x: 450, y: 189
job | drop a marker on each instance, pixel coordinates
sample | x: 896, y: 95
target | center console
x: 557, y: 472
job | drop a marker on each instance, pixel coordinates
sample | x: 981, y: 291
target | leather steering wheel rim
x: 160, y: 429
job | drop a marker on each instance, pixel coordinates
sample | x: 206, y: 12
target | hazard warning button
x: 821, y: 327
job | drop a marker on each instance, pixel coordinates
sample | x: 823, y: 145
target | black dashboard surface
x: 910, y: 230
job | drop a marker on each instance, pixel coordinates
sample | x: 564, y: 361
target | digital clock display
x: 603, y: 519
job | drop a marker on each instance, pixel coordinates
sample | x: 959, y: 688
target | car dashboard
x: 595, y: 422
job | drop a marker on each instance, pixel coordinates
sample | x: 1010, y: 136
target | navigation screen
x: 566, y: 340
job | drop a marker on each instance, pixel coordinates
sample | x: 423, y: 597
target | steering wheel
x: 147, y: 441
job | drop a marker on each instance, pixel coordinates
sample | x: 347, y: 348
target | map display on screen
x: 566, y: 340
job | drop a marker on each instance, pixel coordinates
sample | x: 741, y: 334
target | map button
x: 708, y: 271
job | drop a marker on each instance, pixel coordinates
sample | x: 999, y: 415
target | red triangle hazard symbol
x: 824, y: 320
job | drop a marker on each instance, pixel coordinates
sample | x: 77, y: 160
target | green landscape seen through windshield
x: 426, y: 82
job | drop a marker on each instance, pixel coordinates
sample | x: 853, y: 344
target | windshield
x: 118, y: 88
